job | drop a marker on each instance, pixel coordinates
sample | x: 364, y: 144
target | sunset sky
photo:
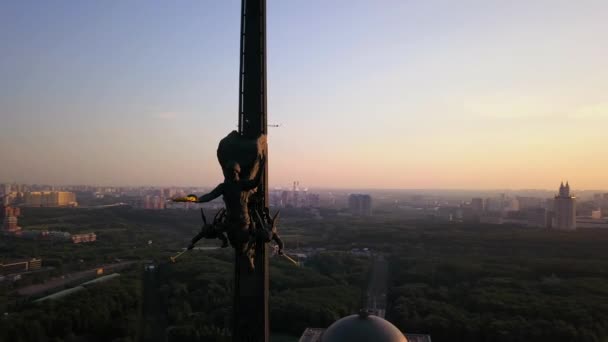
x: 369, y: 94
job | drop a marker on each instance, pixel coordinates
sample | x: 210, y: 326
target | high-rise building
x: 511, y: 204
x: 9, y: 221
x: 5, y: 189
x: 360, y: 204
x: 313, y: 200
x: 477, y: 205
x: 597, y: 197
x: 50, y: 199
x: 152, y: 202
x: 565, y: 209
x: 295, y: 198
x: 549, y: 204
x: 529, y: 202
x: 535, y: 217
x: 168, y: 193
x: 494, y: 204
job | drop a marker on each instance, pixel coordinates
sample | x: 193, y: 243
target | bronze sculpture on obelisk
x: 243, y: 156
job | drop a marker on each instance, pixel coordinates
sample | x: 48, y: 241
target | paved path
x: 68, y: 279
x: 376, y: 291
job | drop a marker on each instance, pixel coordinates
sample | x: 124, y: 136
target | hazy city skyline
x: 423, y: 95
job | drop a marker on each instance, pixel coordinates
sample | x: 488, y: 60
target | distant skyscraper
x: 529, y: 202
x: 360, y: 204
x: 477, y: 205
x: 597, y: 198
x: 6, y: 189
x: 510, y: 204
x: 496, y: 204
x: 565, y: 209
x: 9, y: 219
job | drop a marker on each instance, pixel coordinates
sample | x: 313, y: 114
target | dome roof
x: 362, y: 328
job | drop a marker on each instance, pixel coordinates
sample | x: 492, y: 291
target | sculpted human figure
x: 235, y: 193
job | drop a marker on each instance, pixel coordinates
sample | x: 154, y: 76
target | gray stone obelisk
x: 251, y: 287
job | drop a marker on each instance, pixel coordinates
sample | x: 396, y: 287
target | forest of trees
x: 107, y: 312
x: 197, y: 294
x: 502, y: 285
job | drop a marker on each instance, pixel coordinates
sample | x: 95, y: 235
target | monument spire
x: 251, y: 286
x: 246, y: 222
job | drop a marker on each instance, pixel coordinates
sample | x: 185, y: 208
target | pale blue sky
x: 407, y: 94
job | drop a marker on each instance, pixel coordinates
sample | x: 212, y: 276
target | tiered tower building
x: 565, y: 209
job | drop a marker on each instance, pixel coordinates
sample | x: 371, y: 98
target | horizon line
x: 313, y: 187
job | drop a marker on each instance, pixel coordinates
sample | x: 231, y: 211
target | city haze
x: 399, y: 95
